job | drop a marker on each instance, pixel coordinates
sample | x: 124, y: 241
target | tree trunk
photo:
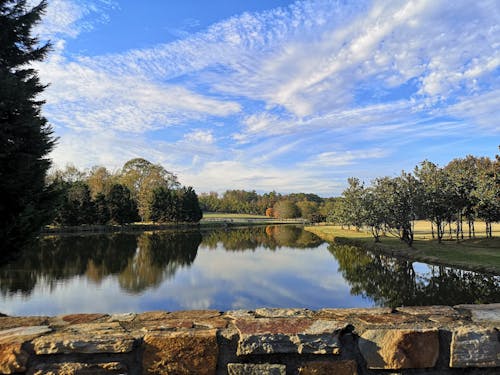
x: 440, y: 229
x: 473, y: 230
x: 470, y: 228
x: 432, y: 230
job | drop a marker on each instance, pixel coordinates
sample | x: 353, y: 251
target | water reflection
x: 275, y: 266
x: 270, y: 237
x: 395, y: 282
x: 137, y: 261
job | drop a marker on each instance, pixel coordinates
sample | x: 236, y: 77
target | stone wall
x: 408, y: 340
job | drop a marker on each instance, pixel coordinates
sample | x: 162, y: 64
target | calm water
x: 280, y: 266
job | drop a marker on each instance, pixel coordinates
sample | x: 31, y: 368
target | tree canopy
x: 465, y: 188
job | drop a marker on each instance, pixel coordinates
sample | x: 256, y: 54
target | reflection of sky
x: 217, y: 279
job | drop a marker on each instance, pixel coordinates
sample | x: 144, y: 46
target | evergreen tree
x: 162, y: 205
x: 101, y: 209
x: 25, y: 136
x: 76, y: 207
x: 122, y: 208
x: 190, y: 206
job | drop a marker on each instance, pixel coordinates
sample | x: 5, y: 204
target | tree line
x: 139, y: 191
x: 284, y: 206
x: 463, y: 191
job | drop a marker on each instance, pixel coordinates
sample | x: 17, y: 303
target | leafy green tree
x: 209, y: 202
x: 101, y: 209
x: 402, y: 199
x: 307, y: 209
x: 353, y: 202
x: 487, y: 194
x: 437, y: 196
x: 99, y: 180
x: 76, y: 207
x: 25, y: 136
x: 463, y: 175
x: 375, y: 211
x: 142, y: 178
x: 122, y: 208
x: 286, y: 209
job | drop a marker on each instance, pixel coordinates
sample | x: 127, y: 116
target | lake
x: 245, y: 268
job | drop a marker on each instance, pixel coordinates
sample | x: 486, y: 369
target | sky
x: 291, y: 96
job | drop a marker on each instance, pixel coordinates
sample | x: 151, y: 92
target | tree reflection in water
x: 271, y: 237
x: 158, y: 257
x: 142, y: 261
x: 394, y: 282
x: 138, y: 261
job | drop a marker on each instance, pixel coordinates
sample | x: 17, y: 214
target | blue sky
x: 272, y: 95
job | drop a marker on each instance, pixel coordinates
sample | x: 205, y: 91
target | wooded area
x: 465, y: 189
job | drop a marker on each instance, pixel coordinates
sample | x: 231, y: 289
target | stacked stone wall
x: 407, y: 340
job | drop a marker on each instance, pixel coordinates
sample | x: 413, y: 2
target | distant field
x: 476, y: 253
x: 423, y: 229
x: 218, y: 215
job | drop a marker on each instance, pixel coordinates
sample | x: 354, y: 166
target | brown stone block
x: 293, y: 335
x: 255, y: 369
x: 273, y: 326
x: 22, y: 334
x: 428, y: 310
x: 12, y: 358
x: 151, y: 315
x: 86, y: 338
x: 283, y: 313
x: 338, y: 313
x: 82, y: 318
x: 399, y: 348
x: 166, y: 325
x: 194, y: 314
x: 13, y: 322
x: 182, y: 352
x: 387, y: 319
x: 486, y: 313
x: 329, y: 368
x: 72, y: 368
x: 217, y: 322
x: 475, y: 347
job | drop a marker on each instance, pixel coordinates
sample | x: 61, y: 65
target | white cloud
x: 222, y: 175
x: 82, y: 97
x: 68, y: 18
x: 483, y: 109
x: 344, y: 158
x: 281, y: 84
x: 200, y: 136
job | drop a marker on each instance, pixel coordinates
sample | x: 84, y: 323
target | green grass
x: 478, y: 254
x: 219, y: 215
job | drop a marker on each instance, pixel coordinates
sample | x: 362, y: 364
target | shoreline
x: 134, y: 227
x: 410, y: 254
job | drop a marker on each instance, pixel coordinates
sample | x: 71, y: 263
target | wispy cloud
x: 68, y: 18
x: 269, y: 99
x: 343, y: 158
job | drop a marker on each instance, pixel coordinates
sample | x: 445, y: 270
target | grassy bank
x: 480, y: 254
